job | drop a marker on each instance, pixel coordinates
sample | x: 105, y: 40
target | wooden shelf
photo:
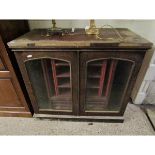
x: 92, y: 92
x: 93, y: 83
x: 64, y: 97
x: 94, y: 76
x: 94, y: 72
x: 60, y: 104
x: 103, y: 77
x: 96, y: 106
x: 63, y: 100
x: 93, y: 87
x: 57, y: 78
x: 61, y: 75
x: 96, y: 99
x: 65, y: 85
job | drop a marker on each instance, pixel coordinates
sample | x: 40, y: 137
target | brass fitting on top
x: 92, y: 30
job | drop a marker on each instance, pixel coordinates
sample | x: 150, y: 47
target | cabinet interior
x: 105, y: 83
x: 51, y: 81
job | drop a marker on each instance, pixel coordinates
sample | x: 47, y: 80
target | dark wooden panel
x: 11, y: 29
x: 8, y: 96
x: 1, y: 65
x: 10, y: 91
x: 5, y: 74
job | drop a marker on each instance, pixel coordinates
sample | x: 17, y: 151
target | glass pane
x: 105, y: 84
x: 51, y: 82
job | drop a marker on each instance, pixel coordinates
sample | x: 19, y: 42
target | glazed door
x: 51, y: 81
x: 105, y: 81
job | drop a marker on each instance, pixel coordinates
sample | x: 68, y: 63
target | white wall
x: 145, y: 28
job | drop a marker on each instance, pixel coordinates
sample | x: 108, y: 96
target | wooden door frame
x: 70, y: 56
x: 131, y: 55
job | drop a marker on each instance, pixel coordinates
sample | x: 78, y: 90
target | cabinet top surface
x: 120, y: 37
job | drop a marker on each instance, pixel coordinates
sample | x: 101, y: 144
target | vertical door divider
x: 46, y: 77
x: 54, y: 77
x: 110, y: 77
x: 102, y: 78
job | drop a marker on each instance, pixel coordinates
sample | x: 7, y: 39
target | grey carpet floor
x: 136, y: 123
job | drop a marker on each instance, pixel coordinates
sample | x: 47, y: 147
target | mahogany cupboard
x: 12, y: 100
x: 77, y: 75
